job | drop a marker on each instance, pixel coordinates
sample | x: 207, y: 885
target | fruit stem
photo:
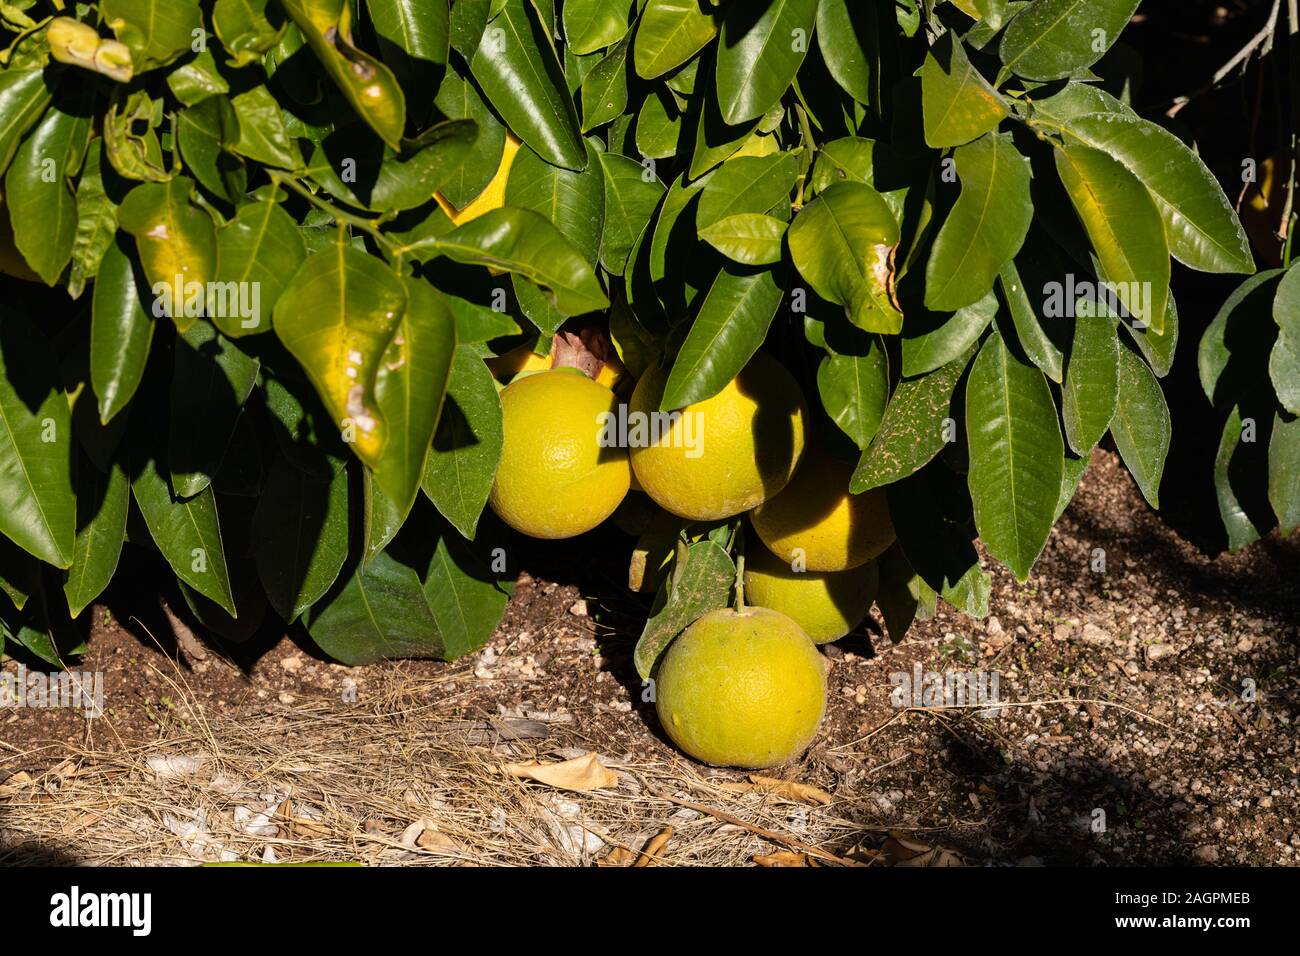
x: 740, y: 582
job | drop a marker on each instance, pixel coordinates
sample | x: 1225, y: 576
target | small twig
x: 1262, y: 41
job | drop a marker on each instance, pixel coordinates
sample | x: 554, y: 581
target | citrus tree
x: 269, y: 259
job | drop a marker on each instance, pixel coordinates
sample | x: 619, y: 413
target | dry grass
x: 390, y: 782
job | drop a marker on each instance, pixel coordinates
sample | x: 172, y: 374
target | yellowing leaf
x: 581, y: 773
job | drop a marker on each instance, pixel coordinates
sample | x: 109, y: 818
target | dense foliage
x: 918, y: 206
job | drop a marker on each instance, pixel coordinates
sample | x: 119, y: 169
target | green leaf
x: 1038, y: 346
x: 747, y: 184
x: 1070, y: 478
x: 913, y: 429
x: 466, y: 448
x: 1053, y: 39
x: 1284, y: 472
x: 751, y: 239
x: 1204, y: 232
x: 211, y: 381
x: 176, y: 243
x: 1141, y: 425
x: 156, y: 31
x: 591, y: 25
x: 1237, y: 520
x: 1158, y: 348
x: 468, y: 18
x: 715, y: 140
x: 410, y: 387
x: 38, y: 192
x: 958, y: 104
x: 204, y: 132
x: 120, y: 332
x: 381, y: 516
x: 244, y: 30
x: 658, y: 126
x: 669, y: 33
x: 901, y: 594
x: 102, y: 504
x: 1284, y: 359
x: 300, y: 530
x: 573, y: 202
x: 263, y: 136
x: 365, y: 82
x: 131, y: 138
x: 521, y: 77
x: 630, y: 202
x: 759, y: 54
x: 932, y: 522
x: 841, y: 243
x: 36, y: 446
x: 986, y: 227
x: 464, y: 596
x: 944, y: 338
x: 378, y: 612
x: 1016, y: 456
x: 24, y: 96
x: 258, y: 252
x: 1230, y: 358
x: 604, y: 91
x: 419, y: 28
x: 701, y: 582
x: 197, y: 79
x: 1091, y: 389
x: 337, y: 317
x: 458, y: 99
x: 525, y: 243
x: 186, y: 531
x: 848, y: 35
x: 855, y: 391
x: 1124, y: 226
x: 730, y: 326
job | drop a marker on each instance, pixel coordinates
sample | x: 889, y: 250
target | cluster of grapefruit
x: 741, y: 686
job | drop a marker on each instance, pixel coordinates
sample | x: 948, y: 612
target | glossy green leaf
x: 715, y: 140
x: 604, y: 91
x: 591, y: 25
x: 156, y: 31
x: 211, y: 381
x: 102, y: 504
x: 916, y: 427
x: 1053, y: 39
x: 703, y: 574
x: 176, y: 243
x: 36, y: 446
x: 187, y: 532
x: 121, y: 329
x: 632, y: 194
x: 365, y: 82
x: 1284, y: 359
x: 263, y: 136
x: 1284, y: 472
x: 459, y: 99
x: 245, y: 28
x: 1232, y: 497
x: 747, y: 184
x: 39, y: 197
x: 669, y: 33
x: 855, y: 391
x: 1091, y: 389
x: 468, y: 18
x: 958, y: 104
x: 300, y: 530
x: 573, y: 202
x: 842, y: 244
x: 1016, y: 455
x: 847, y: 33
x: 1141, y: 425
x: 986, y: 227
x: 204, y: 133
x: 525, y: 243
x: 381, y: 516
x: 419, y: 28
x: 759, y: 54
x: 1230, y: 358
x: 464, y: 596
x: 658, y: 126
x: 1124, y: 226
x: 1202, y: 227
x: 1158, y: 348
x: 198, y: 78
x: 730, y: 326
x: 748, y: 238
x: 258, y: 252
x: 24, y: 96
x: 1071, y: 475
x: 466, y: 448
x: 410, y: 387
x: 1038, y: 346
x: 337, y: 317
x: 934, y: 340
x: 516, y: 67
x: 378, y: 612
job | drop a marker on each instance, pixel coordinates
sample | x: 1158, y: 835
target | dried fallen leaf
x: 898, y: 850
x: 619, y: 856
x: 650, y: 854
x: 580, y: 774
x: 801, y: 792
x: 784, y: 858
